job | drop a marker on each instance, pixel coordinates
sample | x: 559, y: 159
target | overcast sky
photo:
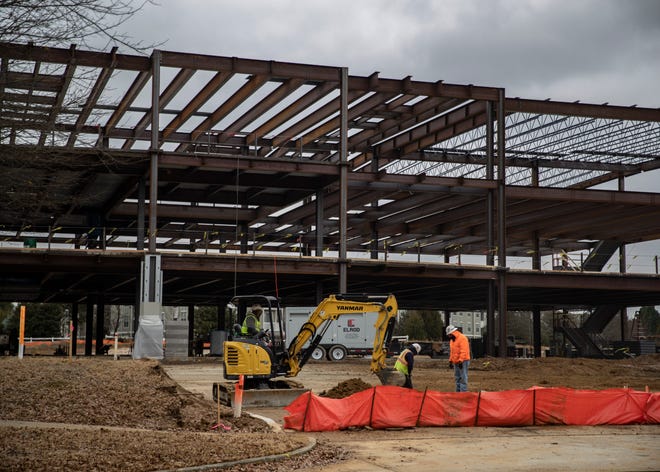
x: 595, y: 51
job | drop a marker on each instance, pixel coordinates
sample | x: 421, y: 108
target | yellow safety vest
x: 257, y: 323
x: 401, y: 363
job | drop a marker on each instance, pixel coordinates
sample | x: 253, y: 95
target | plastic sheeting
x: 149, y: 338
x: 387, y: 407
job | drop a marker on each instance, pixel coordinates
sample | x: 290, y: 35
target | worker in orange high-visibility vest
x: 405, y: 363
x: 459, y: 357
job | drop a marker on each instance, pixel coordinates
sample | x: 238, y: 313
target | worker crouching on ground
x: 405, y: 363
x: 459, y: 357
x: 252, y: 321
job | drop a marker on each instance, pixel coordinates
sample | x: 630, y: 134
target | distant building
x: 471, y: 323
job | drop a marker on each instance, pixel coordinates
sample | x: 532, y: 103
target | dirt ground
x: 492, y: 374
x: 132, y: 415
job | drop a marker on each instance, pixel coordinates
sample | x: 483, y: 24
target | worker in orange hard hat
x: 459, y: 357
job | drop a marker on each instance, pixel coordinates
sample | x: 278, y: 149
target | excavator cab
x: 259, y: 355
x: 266, y: 309
x: 256, y: 343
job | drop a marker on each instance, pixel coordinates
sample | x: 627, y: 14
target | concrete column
x: 150, y: 327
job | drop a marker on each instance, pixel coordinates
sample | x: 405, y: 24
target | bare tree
x: 38, y: 170
x: 88, y: 23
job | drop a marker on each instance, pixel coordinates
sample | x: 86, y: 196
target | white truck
x: 347, y: 335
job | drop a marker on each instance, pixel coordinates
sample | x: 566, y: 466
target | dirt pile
x: 346, y: 388
x: 100, y: 414
x: 100, y: 391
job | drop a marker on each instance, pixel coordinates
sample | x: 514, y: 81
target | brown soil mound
x: 101, y: 414
x: 346, y: 388
x: 100, y: 391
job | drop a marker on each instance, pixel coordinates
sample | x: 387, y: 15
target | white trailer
x: 348, y: 335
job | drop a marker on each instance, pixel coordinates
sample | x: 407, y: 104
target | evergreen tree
x: 420, y: 324
x: 206, y: 320
x: 42, y: 320
x: 6, y: 316
x: 650, y: 320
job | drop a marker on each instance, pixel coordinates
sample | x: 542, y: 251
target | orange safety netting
x: 386, y: 407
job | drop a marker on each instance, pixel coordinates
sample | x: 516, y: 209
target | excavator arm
x: 332, y: 308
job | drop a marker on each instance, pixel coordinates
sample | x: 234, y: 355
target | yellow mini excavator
x: 267, y: 364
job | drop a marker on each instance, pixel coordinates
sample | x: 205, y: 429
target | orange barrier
x: 387, y: 407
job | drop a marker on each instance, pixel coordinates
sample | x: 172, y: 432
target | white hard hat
x: 450, y: 329
x: 417, y: 348
x: 256, y: 308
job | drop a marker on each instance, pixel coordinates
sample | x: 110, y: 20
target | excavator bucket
x: 258, y: 398
x: 388, y: 376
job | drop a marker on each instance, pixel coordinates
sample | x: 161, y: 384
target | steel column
x: 490, y: 229
x: 153, y: 174
x: 243, y: 230
x: 89, y: 326
x: 220, y: 317
x: 320, y: 200
x: 536, y: 328
x: 343, y: 180
x: 191, y: 330
x: 490, y: 175
x: 623, y: 314
x: 535, y: 173
x: 100, y: 325
x: 319, y: 291
x: 536, y: 310
x: 142, y: 195
x: 373, y: 246
x: 501, y: 225
x: 138, y: 299
x: 74, y: 334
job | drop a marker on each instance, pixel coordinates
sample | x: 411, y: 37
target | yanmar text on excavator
x: 265, y: 361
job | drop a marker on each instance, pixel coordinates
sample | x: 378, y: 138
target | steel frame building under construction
x: 185, y: 179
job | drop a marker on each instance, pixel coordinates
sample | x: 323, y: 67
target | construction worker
x: 459, y: 357
x: 405, y: 363
x: 252, y: 321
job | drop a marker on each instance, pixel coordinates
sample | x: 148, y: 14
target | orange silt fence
x: 395, y: 407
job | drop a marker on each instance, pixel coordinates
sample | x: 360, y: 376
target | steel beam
x: 548, y: 107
